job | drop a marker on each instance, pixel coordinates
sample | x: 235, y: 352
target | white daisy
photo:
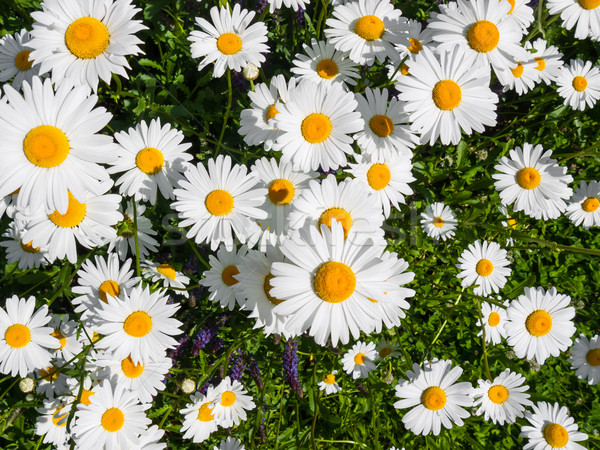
x: 548, y: 59
x: 521, y: 13
x: 583, y: 208
x: 51, y: 423
x: 502, y: 400
x: 67, y: 332
x: 51, y: 381
x: 417, y: 38
x: 540, y: 324
x: 21, y: 252
x: 438, y: 221
x: 229, y: 41
x: 293, y: 4
x: 199, y: 421
x: 484, y: 264
x: 168, y: 275
x: 221, y: 279
x: 125, y: 234
x: 329, y: 383
x: 84, y: 40
x: 579, y: 84
x: 231, y: 403
x: 584, y: 15
x: 14, y: 59
x: 494, y: 318
x: 551, y: 427
x: 522, y: 78
x: 232, y: 443
x: 387, y: 349
x: 585, y: 358
x: 149, y: 439
x: 360, y: 360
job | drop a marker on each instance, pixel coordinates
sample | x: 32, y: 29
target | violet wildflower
x: 290, y: 365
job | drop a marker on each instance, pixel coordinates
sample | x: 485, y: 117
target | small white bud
x: 26, y: 384
x: 250, y: 72
x: 188, y: 386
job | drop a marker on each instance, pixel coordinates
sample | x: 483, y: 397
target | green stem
x: 316, y: 412
x: 483, y: 344
x: 226, y: 116
x: 136, y: 240
x: 426, y: 353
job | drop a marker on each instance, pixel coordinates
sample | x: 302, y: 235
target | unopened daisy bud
x: 188, y: 386
x: 250, y: 72
x: 29, y: 397
x: 26, y: 385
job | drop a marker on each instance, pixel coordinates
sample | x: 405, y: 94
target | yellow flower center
x: 338, y: 214
x: 267, y: 287
x: 538, y: 323
x: 404, y: 69
x: 316, y: 127
x: 379, y: 176
x: 415, y: 45
x: 512, y: 223
x: 46, y: 146
x: 50, y: 373
x: 556, y: 435
x: 579, y: 83
x: 433, y: 398
x: 73, y: 217
x: 61, y: 338
x: 87, y: 38
x: 385, y: 351
x: 205, y: 413
x: 85, y: 397
x: 227, y: 275
x: 327, y: 69
x: 446, y: 95
x: 589, y: 4
x: 493, y: 319
x: 22, y: 60
x: 517, y: 71
x: 108, y: 287
x: 593, y: 357
x: 112, y: 420
x: 438, y: 222
x: 590, y: 204
x: 138, y: 324
x: 281, y: 191
x: 130, y: 369
x: 369, y: 27
x: 528, y: 178
x: 359, y: 359
x: 59, y: 420
x: 381, y: 125
x: 541, y: 63
x: 167, y: 271
x: 150, y: 160
x: 498, y: 394
x: 229, y: 43
x: 219, y: 202
x: 483, y: 36
x: 334, y: 282
x: 271, y: 112
x: 227, y: 398
x: 28, y: 248
x: 484, y: 267
x: 17, y: 335
x: 329, y: 379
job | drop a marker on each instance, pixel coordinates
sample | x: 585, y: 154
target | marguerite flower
x: 438, y: 221
x: 584, y: 15
x: 387, y: 349
x: 221, y: 279
x: 360, y: 360
x: 149, y: 439
x: 583, y: 208
x: 579, y: 84
x: 199, y: 421
x: 232, y: 443
x: 67, y: 332
x: 14, y: 59
x: 521, y: 13
x: 548, y: 59
x: 585, y: 358
x: 51, y: 423
x: 52, y: 383
x: 293, y: 4
x: 329, y: 383
x: 125, y: 234
x: 484, y: 264
x: 522, y: 78
x: 551, y: 427
x: 417, y: 38
x: 231, y: 403
x: 168, y: 275
x: 494, y: 318
x: 23, y: 253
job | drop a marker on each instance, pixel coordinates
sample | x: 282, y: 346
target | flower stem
x: 226, y: 117
x: 483, y: 345
x: 138, y: 270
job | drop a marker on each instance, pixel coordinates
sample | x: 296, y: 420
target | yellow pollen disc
x: 205, y: 413
x: 512, y: 223
x: 329, y: 379
x: 483, y: 36
x: 512, y: 6
x: 386, y: 351
x: 22, y: 60
x: 359, y: 359
x: 528, y: 178
x: 415, y: 46
x: 369, y: 27
x: 334, y: 282
x: 446, y: 95
x: 28, y: 248
x: 556, y: 435
x: 61, y: 338
x: 229, y: 43
x: 438, y: 222
x: 267, y: 287
x: 593, y: 357
x: 484, y: 267
x: 381, y: 125
x: 227, y: 275
x: 541, y: 63
x: 517, y: 71
x: 87, y: 38
x: 150, y: 160
x: 590, y: 204
x: 59, y: 420
x: 17, y: 335
x: 579, y: 83
x: 404, y: 69
x: 167, y: 271
x: 498, y: 394
x: 73, y: 217
x: 338, y: 214
x: 493, y: 319
x: 85, y: 397
x: 227, y: 398
x: 46, y: 146
x: 281, y: 191
x: 379, y: 176
x: 138, y: 324
x: 433, y: 398
x: 219, y: 202
x: 130, y: 369
x: 271, y: 112
x: 50, y: 373
x: 108, y: 287
x: 315, y: 128
x: 538, y: 323
x: 112, y: 420
x: 589, y: 4
x: 327, y: 69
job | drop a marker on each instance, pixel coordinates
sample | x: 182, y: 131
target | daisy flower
x: 21, y: 252
x: 582, y: 209
x: 323, y: 64
x: 329, y: 384
x: 438, y: 221
x: 522, y: 78
x: 584, y: 15
x: 221, y: 279
x: 229, y: 41
x: 579, y: 84
x: 551, y: 427
x: 585, y: 358
x: 66, y: 331
x: 139, y: 326
x: 548, y: 59
x: 494, y: 318
x: 231, y: 403
x: 446, y: 95
x: 360, y: 360
x: 51, y: 146
x: 293, y: 4
x: 85, y: 41
x: 484, y: 264
x: 51, y: 423
x: 219, y: 201
x: 152, y: 158
x: 434, y: 396
x: 113, y: 419
x: 125, y: 234
x: 148, y: 440
x: 540, y: 324
x: 502, y: 400
x: 315, y: 124
x: 199, y: 421
x: 231, y: 443
x: 168, y: 275
x: 23, y: 336
x: 367, y: 29
x: 533, y: 181
x: 328, y: 276
x: 14, y: 59
x: 417, y: 38
x: 521, y: 13
x: 51, y: 382
x: 387, y: 349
